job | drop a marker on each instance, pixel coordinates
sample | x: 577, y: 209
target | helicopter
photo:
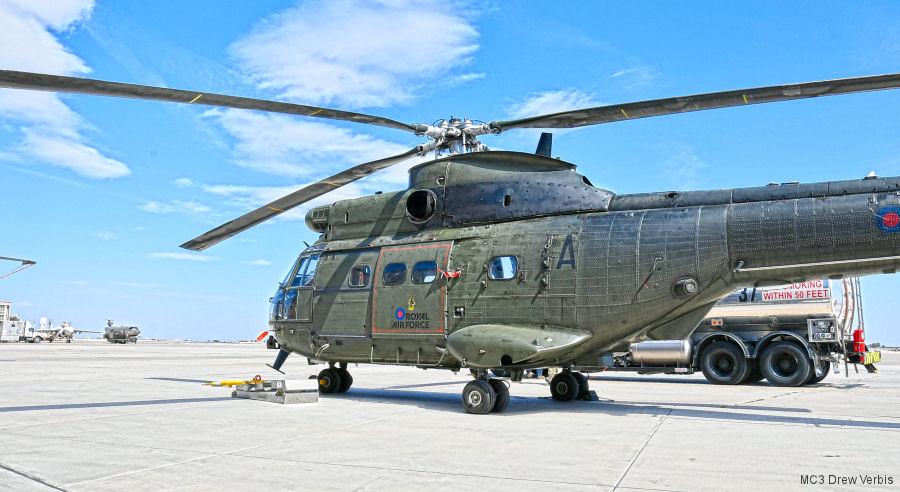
x: 510, y: 261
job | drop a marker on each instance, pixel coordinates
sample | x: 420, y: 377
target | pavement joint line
x: 32, y: 477
x: 770, y: 397
x: 641, y: 449
x: 234, y: 451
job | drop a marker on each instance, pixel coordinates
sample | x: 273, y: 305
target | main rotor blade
x: 298, y: 197
x: 699, y: 102
x: 76, y: 85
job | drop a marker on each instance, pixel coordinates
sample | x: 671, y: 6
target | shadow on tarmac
x: 65, y: 406
x: 182, y: 380
x: 451, y: 402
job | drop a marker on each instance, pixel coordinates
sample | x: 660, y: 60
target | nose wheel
x: 481, y: 396
x: 335, y: 380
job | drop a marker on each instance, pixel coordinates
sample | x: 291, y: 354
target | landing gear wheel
x: 501, y: 391
x: 68, y: 340
x: 813, y: 378
x: 723, y: 363
x: 564, y: 387
x: 478, y: 397
x: 346, y: 380
x: 329, y: 381
x: 785, y: 364
x: 583, y: 386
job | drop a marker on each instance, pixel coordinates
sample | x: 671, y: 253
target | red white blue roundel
x: 888, y: 219
x: 399, y: 313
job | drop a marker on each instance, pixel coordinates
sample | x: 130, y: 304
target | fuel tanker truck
x: 789, y: 335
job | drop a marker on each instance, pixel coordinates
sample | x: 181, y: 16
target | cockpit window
x: 394, y: 274
x: 359, y: 276
x: 306, y: 272
x: 503, y: 267
x: 424, y: 272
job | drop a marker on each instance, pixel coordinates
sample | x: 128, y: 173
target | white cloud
x: 76, y: 282
x: 684, y: 168
x: 50, y: 130
x: 59, y: 150
x: 356, y: 53
x: 637, y: 76
x: 180, y: 256
x: 175, y: 206
x: 261, y: 262
x: 106, y: 235
x: 184, y: 182
x: 551, y: 102
x: 285, y: 146
x: 134, y: 284
x: 139, y: 229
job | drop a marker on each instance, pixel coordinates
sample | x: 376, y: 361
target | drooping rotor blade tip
x: 76, y: 85
x: 699, y: 102
x: 299, y: 197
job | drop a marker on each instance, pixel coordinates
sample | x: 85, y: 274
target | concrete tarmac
x: 94, y: 416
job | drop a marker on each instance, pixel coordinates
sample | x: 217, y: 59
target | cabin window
x: 394, y: 274
x: 359, y: 276
x: 424, y: 272
x: 503, y: 267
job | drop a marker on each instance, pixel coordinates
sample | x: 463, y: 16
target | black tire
x: 478, y: 397
x: 564, y: 387
x: 329, y: 381
x: 501, y: 392
x: 754, y: 375
x: 37, y: 339
x: 346, y: 380
x: 724, y: 363
x: 785, y: 364
x: 813, y: 378
x: 583, y: 385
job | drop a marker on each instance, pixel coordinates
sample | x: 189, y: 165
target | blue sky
x: 100, y: 191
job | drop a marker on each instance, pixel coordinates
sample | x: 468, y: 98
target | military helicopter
x: 512, y: 261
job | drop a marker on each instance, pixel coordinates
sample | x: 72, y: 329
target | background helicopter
x: 511, y: 260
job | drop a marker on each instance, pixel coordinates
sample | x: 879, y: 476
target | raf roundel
x: 888, y: 219
x: 400, y: 313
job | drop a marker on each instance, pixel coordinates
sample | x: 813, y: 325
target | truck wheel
x: 501, y: 392
x: 813, y: 379
x: 478, y: 397
x: 723, y: 363
x: 785, y: 364
x: 754, y: 375
x: 37, y: 339
x: 564, y: 387
x: 329, y: 381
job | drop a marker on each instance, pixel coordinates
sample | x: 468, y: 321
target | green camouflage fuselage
x: 593, y: 270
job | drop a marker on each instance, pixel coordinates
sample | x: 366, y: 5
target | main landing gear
x: 568, y: 386
x: 335, y: 379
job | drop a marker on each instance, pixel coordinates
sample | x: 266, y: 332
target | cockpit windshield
x: 306, y: 272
